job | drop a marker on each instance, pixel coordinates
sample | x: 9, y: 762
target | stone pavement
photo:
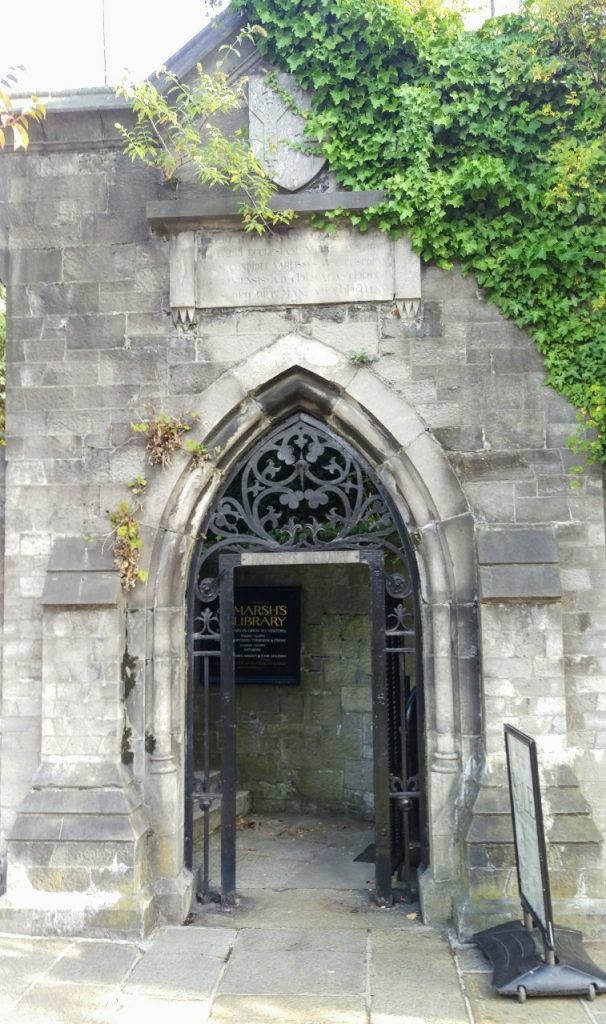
x: 378, y: 968
x: 312, y: 949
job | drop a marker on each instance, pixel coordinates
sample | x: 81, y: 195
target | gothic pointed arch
x: 295, y: 376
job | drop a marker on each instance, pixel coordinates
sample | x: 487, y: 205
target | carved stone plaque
x: 274, y: 130
x: 302, y: 267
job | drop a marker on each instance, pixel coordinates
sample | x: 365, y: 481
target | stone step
x: 243, y: 806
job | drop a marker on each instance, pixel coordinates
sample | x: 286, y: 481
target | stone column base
x: 435, y: 898
x: 587, y: 916
x: 174, y: 897
x: 574, y: 853
x: 78, y: 856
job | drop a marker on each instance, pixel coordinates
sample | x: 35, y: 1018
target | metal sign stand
x: 532, y: 957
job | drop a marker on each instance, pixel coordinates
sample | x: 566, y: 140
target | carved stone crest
x: 275, y: 130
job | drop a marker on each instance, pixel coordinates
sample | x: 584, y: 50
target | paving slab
x: 297, y: 851
x: 139, y: 1009
x: 313, y: 908
x: 182, y: 963
x: 296, y: 962
x: 95, y: 963
x: 60, y: 1003
x: 22, y: 962
x: 414, y: 980
x: 260, y: 871
x: 266, y: 941
x: 290, y: 847
x: 334, y: 868
x: 282, y: 956
x: 471, y: 959
x: 491, y: 1008
x: 596, y: 949
x: 288, y: 1010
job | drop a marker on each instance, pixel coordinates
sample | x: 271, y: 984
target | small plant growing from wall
x: 163, y: 437
x: 127, y: 544
x: 164, y: 433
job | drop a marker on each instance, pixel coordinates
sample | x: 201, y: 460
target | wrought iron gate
x: 302, y: 489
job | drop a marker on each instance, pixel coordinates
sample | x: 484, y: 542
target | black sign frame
x: 253, y: 640
x: 529, y: 830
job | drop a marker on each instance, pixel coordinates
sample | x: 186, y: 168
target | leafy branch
x: 175, y: 128
x: 11, y: 120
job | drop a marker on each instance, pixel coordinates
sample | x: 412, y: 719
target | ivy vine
x: 490, y: 145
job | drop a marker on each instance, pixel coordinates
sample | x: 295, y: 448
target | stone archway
x: 238, y: 409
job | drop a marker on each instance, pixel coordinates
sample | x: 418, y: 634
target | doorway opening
x: 304, y: 657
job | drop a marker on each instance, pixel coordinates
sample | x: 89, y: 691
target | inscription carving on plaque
x: 219, y: 269
x: 275, y: 129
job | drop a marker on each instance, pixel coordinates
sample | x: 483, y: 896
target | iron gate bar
x: 380, y: 733
x: 227, y: 564
x: 207, y: 804
x: 203, y: 641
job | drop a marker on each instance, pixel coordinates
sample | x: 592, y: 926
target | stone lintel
x: 519, y: 583
x: 189, y: 214
x: 515, y: 545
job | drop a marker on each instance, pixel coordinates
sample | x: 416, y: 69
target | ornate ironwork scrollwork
x: 397, y: 584
x: 207, y: 589
x: 301, y: 489
x: 399, y: 619
x: 207, y: 625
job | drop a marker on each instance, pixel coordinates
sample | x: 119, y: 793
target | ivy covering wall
x: 490, y: 144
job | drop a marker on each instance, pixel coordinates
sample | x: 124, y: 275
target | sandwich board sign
x: 528, y: 830
x: 532, y: 957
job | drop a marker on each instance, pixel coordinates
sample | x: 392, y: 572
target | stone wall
x: 309, y: 748
x: 92, y: 345
x: 2, y: 500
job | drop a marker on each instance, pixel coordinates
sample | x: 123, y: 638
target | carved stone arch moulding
x: 236, y: 411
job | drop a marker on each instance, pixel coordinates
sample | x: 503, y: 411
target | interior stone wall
x: 309, y: 747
